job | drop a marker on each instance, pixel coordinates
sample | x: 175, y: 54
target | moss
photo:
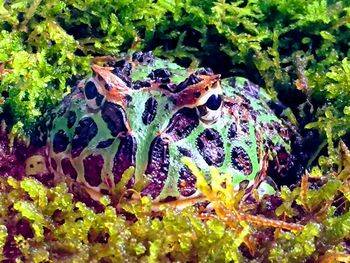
x: 49, y: 224
x: 47, y: 45
x: 68, y: 230
x: 297, y: 50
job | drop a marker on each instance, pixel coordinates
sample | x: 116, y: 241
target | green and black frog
x: 148, y: 113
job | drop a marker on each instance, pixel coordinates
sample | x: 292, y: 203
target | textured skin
x: 148, y: 113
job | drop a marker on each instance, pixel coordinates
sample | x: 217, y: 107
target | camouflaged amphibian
x: 149, y: 113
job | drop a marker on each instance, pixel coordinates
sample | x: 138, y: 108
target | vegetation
x: 298, y: 50
x: 40, y: 224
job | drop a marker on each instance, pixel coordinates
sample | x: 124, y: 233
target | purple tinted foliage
x: 23, y: 228
x: 12, y: 163
x: 268, y: 205
x: 262, y: 241
x: 11, y: 252
x: 98, y: 237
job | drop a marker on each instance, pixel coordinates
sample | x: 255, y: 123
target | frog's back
x: 149, y: 113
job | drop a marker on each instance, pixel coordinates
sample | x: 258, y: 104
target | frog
x: 149, y: 113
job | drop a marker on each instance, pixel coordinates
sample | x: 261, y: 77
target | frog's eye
x: 210, y: 111
x: 214, y: 102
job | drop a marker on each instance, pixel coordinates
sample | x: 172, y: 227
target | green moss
x: 75, y: 232
x: 66, y: 230
x: 45, y: 46
x: 294, y: 247
x: 3, y: 236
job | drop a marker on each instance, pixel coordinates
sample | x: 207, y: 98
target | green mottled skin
x: 252, y: 141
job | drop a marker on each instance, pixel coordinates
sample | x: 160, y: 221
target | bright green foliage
x: 3, y: 236
x: 312, y: 200
x: 178, y: 235
x: 336, y: 229
x: 47, y: 45
x: 66, y: 230
x: 324, y: 194
x: 295, y: 247
x: 288, y: 197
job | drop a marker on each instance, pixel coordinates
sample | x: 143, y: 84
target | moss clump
x: 39, y: 224
x: 285, y: 46
x: 61, y: 229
